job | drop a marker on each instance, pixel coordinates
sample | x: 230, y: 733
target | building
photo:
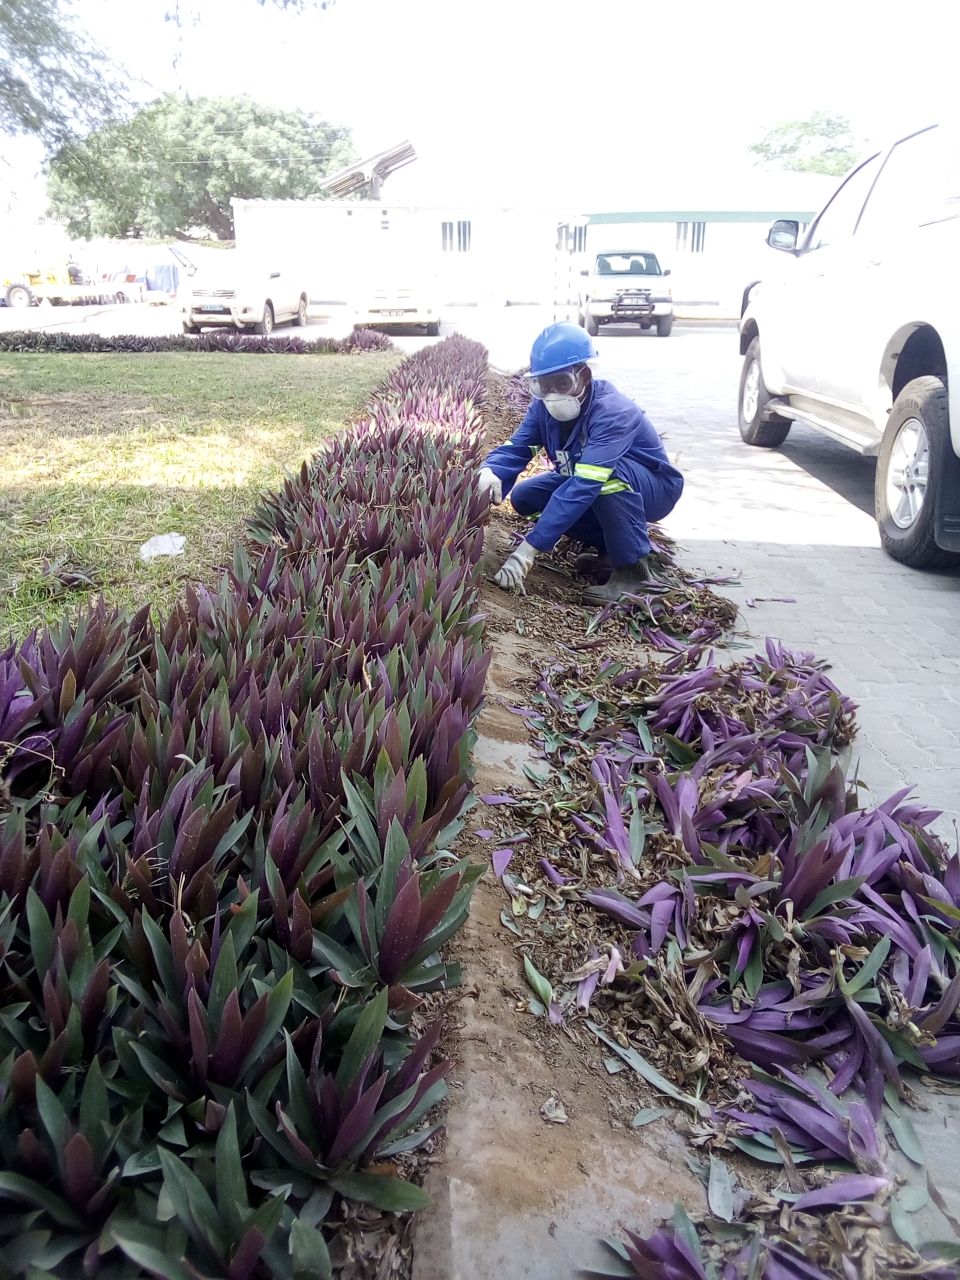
x: 475, y: 254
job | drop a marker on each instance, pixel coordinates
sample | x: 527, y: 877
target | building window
x: 691, y: 236
x: 571, y: 239
x: 456, y: 236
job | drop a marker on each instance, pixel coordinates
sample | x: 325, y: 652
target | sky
x: 595, y: 104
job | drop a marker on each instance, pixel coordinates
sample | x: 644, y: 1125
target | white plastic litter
x: 163, y: 544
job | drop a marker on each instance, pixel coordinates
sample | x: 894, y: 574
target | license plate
x: 209, y: 306
x: 391, y: 314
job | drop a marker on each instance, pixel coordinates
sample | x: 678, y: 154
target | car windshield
x: 627, y: 264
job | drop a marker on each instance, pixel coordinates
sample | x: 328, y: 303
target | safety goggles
x: 562, y: 383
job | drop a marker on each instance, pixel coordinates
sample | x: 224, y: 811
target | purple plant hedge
x: 224, y: 876
x: 359, y: 340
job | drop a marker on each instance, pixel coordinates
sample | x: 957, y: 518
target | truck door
x: 878, y: 283
x: 821, y: 273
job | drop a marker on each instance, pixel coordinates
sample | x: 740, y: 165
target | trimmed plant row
x: 224, y: 876
x: 217, y: 340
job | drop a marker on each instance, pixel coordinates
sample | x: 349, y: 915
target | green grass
x: 101, y: 452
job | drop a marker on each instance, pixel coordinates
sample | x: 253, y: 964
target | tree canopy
x: 53, y: 82
x: 823, y: 143
x: 173, y: 168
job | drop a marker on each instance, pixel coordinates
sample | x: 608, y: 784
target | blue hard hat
x: 559, y: 347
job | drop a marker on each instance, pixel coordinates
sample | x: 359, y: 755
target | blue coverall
x: 611, y: 475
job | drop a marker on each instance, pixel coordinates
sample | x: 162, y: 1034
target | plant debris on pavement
x: 698, y: 892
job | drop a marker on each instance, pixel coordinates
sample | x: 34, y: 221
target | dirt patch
x: 518, y: 1195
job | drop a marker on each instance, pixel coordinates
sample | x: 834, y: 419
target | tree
x: 820, y: 144
x: 52, y: 80
x: 173, y: 168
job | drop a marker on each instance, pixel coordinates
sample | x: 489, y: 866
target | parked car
x: 247, y: 300
x: 860, y: 337
x: 626, y: 286
x: 408, y: 305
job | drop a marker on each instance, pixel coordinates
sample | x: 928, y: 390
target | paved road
x: 798, y: 523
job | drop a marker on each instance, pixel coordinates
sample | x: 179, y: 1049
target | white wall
x: 340, y: 246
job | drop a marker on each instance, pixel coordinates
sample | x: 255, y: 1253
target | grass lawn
x: 100, y: 452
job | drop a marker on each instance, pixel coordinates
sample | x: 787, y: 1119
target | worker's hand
x: 516, y: 567
x: 489, y: 482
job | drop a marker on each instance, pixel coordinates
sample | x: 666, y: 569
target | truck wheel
x: 190, y: 328
x: 18, y: 295
x: 664, y: 326
x: 590, y: 324
x: 432, y: 328
x: 265, y: 326
x: 910, y: 469
x: 757, y: 425
x: 302, y: 312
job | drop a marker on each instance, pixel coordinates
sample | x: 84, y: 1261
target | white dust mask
x: 563, y: 408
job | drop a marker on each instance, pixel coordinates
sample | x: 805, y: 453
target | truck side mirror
x: 667, y: 271
x: 784, y: 235
x: 585, y: 272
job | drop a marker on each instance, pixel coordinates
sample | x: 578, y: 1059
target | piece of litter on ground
x: 163, y: 544
x: 502, y: 799
x: 753, y: 601
x: 553, y: 1111
x: 484, y: 833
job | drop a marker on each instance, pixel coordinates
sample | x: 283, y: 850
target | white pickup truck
x: 858, y: 336
x: 626, y: 286
x: 243, y: 299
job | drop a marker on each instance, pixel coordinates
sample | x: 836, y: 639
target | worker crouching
x: 611, y: 473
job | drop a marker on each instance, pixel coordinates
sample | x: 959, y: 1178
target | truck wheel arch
x: 747, y: 334
x: 915, y: 351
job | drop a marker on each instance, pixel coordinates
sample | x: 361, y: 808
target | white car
x: 249, y: 301
x: 403, y: 305
x: 626, y: 286
x: 859, y: 336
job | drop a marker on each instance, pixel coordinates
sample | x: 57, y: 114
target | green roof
x: 701, y: 215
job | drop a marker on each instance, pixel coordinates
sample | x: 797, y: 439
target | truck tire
x: 19, y: 295
x: 757, y: 425
x: 265, y: 326
x: 664, y: 326
x: 190, y: 328
x: 432, y: 328
x: 301, y: 319
x: 590, y: 324
x: 910, y: 468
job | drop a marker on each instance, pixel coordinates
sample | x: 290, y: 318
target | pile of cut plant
x: 697, y: 891
x: 225, y: 875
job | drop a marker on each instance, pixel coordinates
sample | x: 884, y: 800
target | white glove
x: 489, y: 482
x: 516, y: 567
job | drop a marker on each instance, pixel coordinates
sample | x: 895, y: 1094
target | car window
x: 839, y: 218
x: 627, y: 264
x: 910, y: 187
